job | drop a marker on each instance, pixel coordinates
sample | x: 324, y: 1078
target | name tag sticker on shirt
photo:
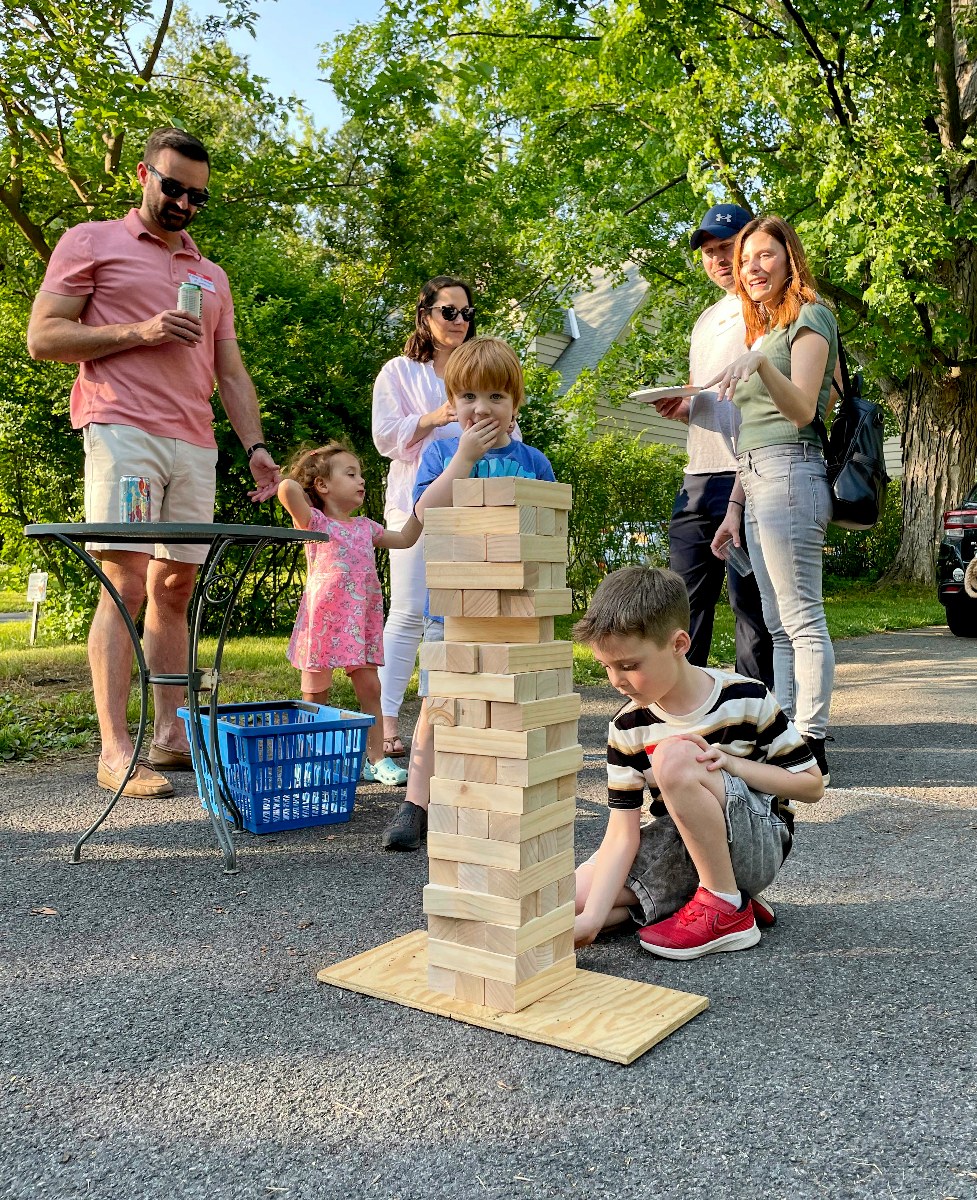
x: 201, y: 281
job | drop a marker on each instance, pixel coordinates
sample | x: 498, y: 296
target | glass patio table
x: 217, y: 586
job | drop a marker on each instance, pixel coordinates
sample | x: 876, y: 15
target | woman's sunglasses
x: 198, y: 197
x: 450, y: 313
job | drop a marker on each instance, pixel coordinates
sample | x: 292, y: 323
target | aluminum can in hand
x: 190, y: 299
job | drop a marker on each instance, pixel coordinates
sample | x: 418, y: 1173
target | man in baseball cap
x: 721, y: 221
x: 719, y: 336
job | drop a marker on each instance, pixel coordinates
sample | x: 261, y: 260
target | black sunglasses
x: 198, y: 197
x: 450, y: 313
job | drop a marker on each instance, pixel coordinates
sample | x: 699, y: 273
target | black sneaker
x: 816, y: 747
x: 408, y: 828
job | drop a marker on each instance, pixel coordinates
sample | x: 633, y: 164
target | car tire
x: 961, y: 616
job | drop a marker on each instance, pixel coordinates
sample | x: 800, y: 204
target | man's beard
x: 170, y: 217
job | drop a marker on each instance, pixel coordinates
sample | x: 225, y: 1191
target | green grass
x: 11, y: 601
x: 45, y: 696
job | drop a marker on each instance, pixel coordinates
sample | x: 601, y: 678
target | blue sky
x: 286, y: 48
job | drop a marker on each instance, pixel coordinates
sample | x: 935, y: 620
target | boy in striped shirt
x: 722, y: 762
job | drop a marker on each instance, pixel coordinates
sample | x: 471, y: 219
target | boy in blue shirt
x: 483, y: 380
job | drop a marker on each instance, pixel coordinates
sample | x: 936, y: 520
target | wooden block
x: 454, y: 929
x: 473, y: 714
x: 450, y: 655
x: 477, y: 603
x: 442, y: 872
x: 439, y: 547
x: 524, y: 547
x: 546, y: 521
x: 510, y: 940
x: 467, y: 547
x: 469, y: 987
x: 548, y: 899
x: 465, y: 794
x: 564, y: 837
x: 558, y: 575
x: 528, y: 519
x: 559, y: 737
x: 509, y: 689
x: 538, y: 492
x: 469, y: 493
x: 445, y: 602
x: 544, y: 955
x: 512, y: 997
x: 547, y: 685
x: 524, y: 772
x: 544, y: 576
x: 517, y: 884
x: 565, y: 680
x: 480, y: 768
x: 471, y: 822
x: 462, y: 522
x: 442, y: 818
x: 509, y: 660
x: 610, y: 1018
x: 497, y: 743
x: 472, y: 961
x: 562, y: 524
x: 449, y: 766
x: 495, y: 629
x: 535, y: 713
x: 543, y: 602
x: 566, y: 786
x: 513, y: 827
x: 563, y: 944
x: 516, y: 576
x: 441, y: 710
x: 567, y: 889
x: 480, y: 851
x: 529, y: 907
x: 439, y: 979
x: 473, y: 878
x: 528, y: 852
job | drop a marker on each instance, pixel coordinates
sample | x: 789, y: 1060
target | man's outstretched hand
x: 266, y: 475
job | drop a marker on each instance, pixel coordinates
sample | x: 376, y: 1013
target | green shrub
x: 623, y: 491
x: 866, y: 554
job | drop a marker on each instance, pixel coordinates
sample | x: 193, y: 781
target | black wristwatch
x: 252, y: 449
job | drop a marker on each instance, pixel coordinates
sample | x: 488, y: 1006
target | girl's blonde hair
x: 484, y: 364
x: 314, y: 463
x: 800, y: 282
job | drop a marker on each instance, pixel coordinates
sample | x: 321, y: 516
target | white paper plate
x: 653, y: 395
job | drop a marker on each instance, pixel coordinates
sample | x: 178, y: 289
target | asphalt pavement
x: 163, y: 1034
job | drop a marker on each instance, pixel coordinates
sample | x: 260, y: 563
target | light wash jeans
x: 405, y: 621
x: 788, y: 506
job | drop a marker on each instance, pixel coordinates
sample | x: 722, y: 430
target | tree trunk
x: 939, y: 420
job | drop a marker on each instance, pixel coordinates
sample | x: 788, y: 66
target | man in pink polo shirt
x: 146, y: 374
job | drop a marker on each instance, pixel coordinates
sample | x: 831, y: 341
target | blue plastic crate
x: 288, y: 764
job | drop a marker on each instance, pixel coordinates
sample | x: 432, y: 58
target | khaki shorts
x: 182, y: 482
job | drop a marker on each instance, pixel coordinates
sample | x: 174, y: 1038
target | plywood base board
x: 600, y: 1015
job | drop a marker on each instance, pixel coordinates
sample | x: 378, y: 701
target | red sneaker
x: 763, y: 912
x: 704, y: 926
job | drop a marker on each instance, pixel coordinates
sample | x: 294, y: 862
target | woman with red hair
x: 780, y: 384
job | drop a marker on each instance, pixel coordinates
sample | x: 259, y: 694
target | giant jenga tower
x: 500, y: 833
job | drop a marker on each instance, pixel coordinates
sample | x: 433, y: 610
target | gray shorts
x: 662, y: 875
x: 433, y: 632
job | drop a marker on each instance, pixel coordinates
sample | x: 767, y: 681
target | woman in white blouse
x: 411, y: 410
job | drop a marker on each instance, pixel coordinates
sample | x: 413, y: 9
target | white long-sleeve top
x: 403, y: 392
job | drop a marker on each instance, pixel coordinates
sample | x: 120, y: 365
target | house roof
x: 602, y: 315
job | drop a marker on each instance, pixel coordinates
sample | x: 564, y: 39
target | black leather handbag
x: 854, y: 454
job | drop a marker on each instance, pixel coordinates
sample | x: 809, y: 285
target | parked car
x: 958, y: 547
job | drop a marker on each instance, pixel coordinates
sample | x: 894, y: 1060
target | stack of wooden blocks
x: 500, y: 900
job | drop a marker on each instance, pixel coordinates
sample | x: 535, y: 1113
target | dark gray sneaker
x: 816, y: 747
x: 408, y: 828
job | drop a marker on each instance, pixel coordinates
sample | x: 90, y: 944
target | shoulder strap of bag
x: 843, y: 392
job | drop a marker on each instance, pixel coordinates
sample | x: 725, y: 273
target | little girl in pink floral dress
x: 340, y: 619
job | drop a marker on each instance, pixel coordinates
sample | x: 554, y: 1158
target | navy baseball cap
x: 721, y: 221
